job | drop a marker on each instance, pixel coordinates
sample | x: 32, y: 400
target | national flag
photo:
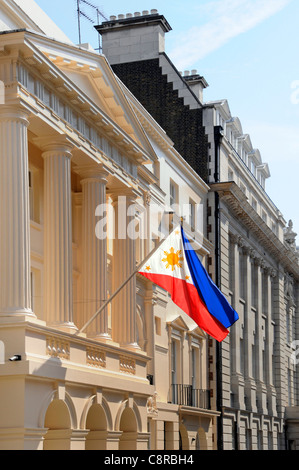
x: 175, y: 267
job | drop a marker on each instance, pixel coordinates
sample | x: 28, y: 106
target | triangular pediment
x: 198, y: 332
x: 92, y: 74
x: 98, y: 88
x: 177, y: 321
x: 87, y: 70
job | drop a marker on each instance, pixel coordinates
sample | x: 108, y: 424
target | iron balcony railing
x: 188, y: 396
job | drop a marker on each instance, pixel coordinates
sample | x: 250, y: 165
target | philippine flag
x: 175, y: 267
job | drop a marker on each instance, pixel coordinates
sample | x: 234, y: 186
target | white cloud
x: 227, y: 19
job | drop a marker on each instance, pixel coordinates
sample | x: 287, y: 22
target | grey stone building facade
x: 255, y: 262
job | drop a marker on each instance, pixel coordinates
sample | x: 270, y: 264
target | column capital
x: 130, y: 193
x: 247, y: 250
x: 233, y: 238
x: 95, y: 171
x: 49, y: 144
x: 14, y: 113
x: 271, y: 272
x: 259, y: 261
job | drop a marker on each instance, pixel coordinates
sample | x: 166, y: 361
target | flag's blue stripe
x: 215, y: 301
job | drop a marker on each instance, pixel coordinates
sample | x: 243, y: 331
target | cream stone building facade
x: 79, y: 155
x: 255, y: 261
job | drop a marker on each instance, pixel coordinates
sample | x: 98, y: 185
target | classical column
x: 94, y: 252
x: 15, y: 295
x: 58, y: 265
x: 124, y: 326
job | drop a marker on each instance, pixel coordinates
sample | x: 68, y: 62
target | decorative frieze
x: 127, y: 365
x: 57, y: 347
x: 96, y: 358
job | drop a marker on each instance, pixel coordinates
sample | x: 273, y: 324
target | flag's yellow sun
x: 173, y: 259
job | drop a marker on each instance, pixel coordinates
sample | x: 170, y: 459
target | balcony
x: 188, y: 396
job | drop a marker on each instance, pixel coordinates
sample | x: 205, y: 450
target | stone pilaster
x: 58, y: 265
x: 260, y: 340
x: 237, y: 379
x: 15, y: 297
x: 249, y: 329
x: 271, y: 273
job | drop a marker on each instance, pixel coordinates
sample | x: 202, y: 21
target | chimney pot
x: 112, y: 18
x: 129, y: 15
x: 145, y: 12
x: 137, y: 13
x: 194, y: 72
x: 154, y: 12
x: 121, y: 17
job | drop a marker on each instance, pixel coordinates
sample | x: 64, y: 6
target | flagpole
x: 107, y: 302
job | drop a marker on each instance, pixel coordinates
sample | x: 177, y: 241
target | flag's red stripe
x: 185, y: 296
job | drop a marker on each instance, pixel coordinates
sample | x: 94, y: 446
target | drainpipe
x: 218, y: 135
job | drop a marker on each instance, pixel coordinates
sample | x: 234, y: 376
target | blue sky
x: 247, y: 50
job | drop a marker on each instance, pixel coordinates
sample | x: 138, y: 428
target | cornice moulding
x: 237, y: 201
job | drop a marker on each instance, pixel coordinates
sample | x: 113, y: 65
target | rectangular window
x: 174, y: 193
x: 243, y: 188
x: 242, y: 275
x: 192, y: 207
x: 174, y: 362
x: 253, y: 353
x: 194, y: 368
x: 158, y: 326
x: 264, y: 216
x: 265, y: 293
x: 32, y: 280
x: 31, y: 196
x: 254, y: 285
x: 231, y: 266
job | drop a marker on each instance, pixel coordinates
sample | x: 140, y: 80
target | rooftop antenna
x: 81, y: 13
